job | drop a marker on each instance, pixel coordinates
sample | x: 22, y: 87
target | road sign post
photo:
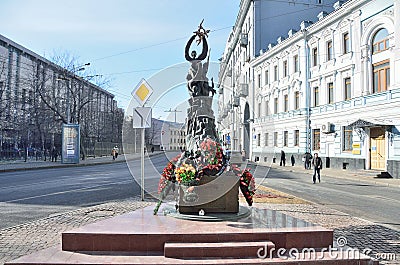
x: 142, y: 166
x: 142, y: 119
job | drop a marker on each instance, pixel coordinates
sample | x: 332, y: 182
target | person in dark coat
x: 307, y: 160
x: 54, y: 154
x: 292, y: 160
x: 317, y: 165
x: 283, y: 158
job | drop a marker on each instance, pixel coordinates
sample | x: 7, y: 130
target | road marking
x: 68, y: 191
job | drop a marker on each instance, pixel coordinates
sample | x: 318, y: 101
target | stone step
x: 54, y: 256
x: 142, y: 231
x: 217, y: 250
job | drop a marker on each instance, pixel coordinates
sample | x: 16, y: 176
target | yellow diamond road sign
x: 142, y: 92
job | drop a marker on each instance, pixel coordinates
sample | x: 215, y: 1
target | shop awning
x: 370, y: 122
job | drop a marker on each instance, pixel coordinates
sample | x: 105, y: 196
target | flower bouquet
x: 188, y: 168
x: 186, y: 177
x: 246, y: 183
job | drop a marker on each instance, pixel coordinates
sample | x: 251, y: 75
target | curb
x: 360, y: 179
x: 73, y: 165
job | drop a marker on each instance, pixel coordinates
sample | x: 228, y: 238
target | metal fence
x: 88, y: 149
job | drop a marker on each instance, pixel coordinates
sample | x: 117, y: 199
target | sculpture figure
x: 197, y: 81
x: 203, y: 161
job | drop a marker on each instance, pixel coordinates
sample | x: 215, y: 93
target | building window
x: 296, y: 100
x: 330, y: 93
x: 275, y: 138
x: 381, y: 77
x: 346, y: 43
x: 286, y: 103
x: 285, y: 138
x: 266, y: 107
x: 266, y: 77
x: 329, y: 50
x: 259, y: 80
x: 347, y: 138
x: 275, y: 73
x: 266, y: 136
x: 316, y: 139
x: 296, y: 137
x: 275, y: 105
x: 347, y: 88
x: 259, y: 139
x: 285, y: 68
x: 380, y: 41
x: 296, y: 63
x: 316, y: 96
x: 259, y: 109
x: 314, y: 57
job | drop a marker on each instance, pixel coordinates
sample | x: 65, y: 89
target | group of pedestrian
x: 315, y: 162
x: 283, y: 159
x: 309, y: 160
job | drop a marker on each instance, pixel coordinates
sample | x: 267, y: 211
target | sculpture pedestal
x: 215, y: 195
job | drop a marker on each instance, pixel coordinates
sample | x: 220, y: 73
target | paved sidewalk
x: 369, y: 176
x: 43, y: 233
x: 46, y: 232
x: 16, y: 165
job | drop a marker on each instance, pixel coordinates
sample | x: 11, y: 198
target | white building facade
x: 330, y: 87
x: 258, y: 23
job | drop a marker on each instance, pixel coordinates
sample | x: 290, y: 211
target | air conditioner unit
x: 326, y: 127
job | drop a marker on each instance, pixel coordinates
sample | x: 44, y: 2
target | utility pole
x: 170, y: 110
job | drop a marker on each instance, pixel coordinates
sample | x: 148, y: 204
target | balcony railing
x: 358, y: 102
x: 369, y: 100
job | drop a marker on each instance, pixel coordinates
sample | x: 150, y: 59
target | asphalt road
x: 29, y: 195
x: 372, y: 202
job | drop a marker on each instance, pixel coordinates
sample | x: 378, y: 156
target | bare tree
x: 153, y: 134
x: 2, y: 85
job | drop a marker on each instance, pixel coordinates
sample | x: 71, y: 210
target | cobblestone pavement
x: 30, y: 237
x: 376, y: 240
x: 43, y: 233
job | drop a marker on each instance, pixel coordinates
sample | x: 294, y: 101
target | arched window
x: 380, y: 42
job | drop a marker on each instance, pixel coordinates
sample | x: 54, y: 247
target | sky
x: 123, y: 40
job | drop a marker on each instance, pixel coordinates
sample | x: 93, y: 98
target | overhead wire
x: 219, y: 29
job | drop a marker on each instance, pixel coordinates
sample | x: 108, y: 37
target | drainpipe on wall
x: 233, y: 113
x: 251, y: 79
x: 308, y: 91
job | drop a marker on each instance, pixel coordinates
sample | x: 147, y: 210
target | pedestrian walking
x: 283, y: 158
x: 114, y: 152
x: 54, y: 154
x: 243, y: 154
x: 46, y: 154
x: 152, y: 149
x: 307, y: 160
x: 292, y: 160
x: 317, y: 164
